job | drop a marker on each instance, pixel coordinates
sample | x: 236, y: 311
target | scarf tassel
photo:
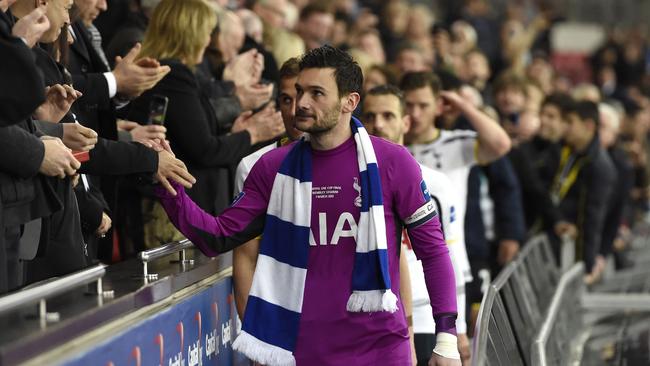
x: 374, y: 300
x: 264, y: 353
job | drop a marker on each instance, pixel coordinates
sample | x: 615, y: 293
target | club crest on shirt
x: 425, y: 191
x: 357, y: 187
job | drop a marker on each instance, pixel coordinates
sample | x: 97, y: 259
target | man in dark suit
x: 17, y: 67
x: 583, y: 182
x: 24, y: 192
x: 104, y: 90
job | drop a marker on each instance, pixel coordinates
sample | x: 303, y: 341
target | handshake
x: 170, y: 168
x: 59, y: 161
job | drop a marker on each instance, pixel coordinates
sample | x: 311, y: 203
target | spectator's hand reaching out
x: 145, y: 134
x: 159, y: 145
x: 58, y: 100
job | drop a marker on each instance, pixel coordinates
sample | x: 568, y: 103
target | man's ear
x: 407, y: 122
x: 351, y: 102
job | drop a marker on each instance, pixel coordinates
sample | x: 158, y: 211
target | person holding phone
x: 210, y: 151
x: 105, y: 158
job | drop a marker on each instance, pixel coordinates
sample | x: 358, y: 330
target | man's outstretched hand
x: 171, y: 168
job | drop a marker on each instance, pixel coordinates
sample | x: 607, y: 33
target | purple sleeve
x: 237, y: 224
x: 421, y: 219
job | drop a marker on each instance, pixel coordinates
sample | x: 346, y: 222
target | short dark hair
x: 449, y: 80
x: 388, y: 89
x: 290, y: 68
x: 586, y: 110
x: 561, y: 101
x: 348, y: 74
x: 421, y: 79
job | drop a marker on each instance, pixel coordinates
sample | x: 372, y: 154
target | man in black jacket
x: 17, y: 67
x: 25, y: 193
x: 619, y: 200
x: 104, y: 90
x: 584, y: 177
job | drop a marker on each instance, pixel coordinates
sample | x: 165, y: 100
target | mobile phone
x: 158, y: 110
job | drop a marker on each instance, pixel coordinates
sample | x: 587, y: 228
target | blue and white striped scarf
x: 270, y: 327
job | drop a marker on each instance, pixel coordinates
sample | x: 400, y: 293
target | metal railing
x: 162, y: 251
x: 40, y: 293
x: 560, y: 319
x: 513, y: 307
x: 480, y: 343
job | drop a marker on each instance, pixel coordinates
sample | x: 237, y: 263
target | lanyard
x: 566, y: 175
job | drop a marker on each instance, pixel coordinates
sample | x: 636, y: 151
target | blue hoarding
x: 198, y: 330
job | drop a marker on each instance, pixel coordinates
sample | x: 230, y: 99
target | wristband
x: 447, y: 346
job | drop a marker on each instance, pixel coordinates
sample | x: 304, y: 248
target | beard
x: 321, y: 125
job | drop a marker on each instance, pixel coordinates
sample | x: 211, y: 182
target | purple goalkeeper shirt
x: 329, y: 334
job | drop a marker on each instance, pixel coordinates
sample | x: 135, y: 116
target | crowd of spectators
x: 549, y: 151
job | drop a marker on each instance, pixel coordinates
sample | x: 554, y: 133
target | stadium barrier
x: 151, y: 311
x: 518, y: 304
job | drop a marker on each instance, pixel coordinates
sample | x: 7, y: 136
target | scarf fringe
x: 262, y: 352
x: 375, y: 300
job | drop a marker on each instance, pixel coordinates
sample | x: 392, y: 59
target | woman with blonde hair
x: 177, y: 35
